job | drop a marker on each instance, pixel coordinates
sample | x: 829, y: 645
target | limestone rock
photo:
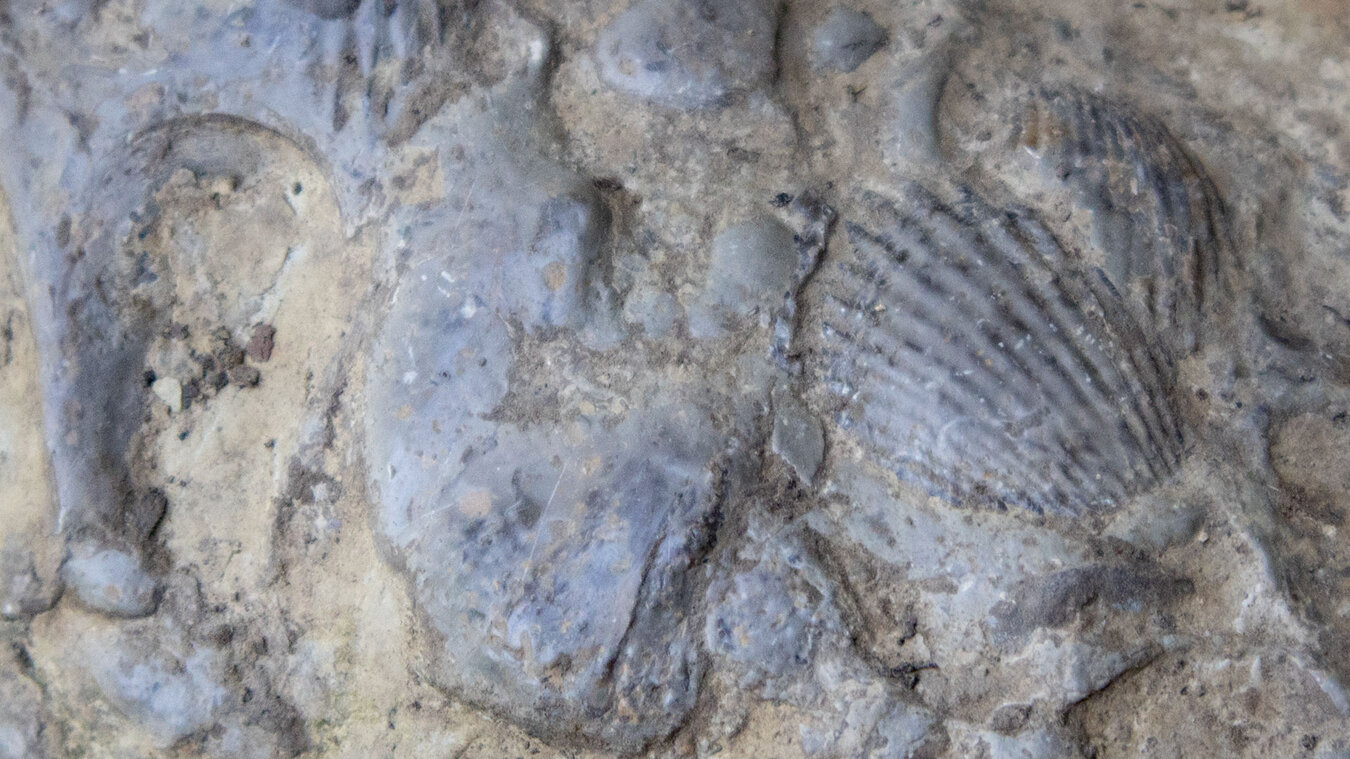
x: 673, y: 378
x: 845, y: 38
x: 689, y: 53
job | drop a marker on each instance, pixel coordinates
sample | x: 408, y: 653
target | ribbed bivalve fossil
x: 970, y: 353
x: 1158, y: 220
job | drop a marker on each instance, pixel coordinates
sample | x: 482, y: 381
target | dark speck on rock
x: 260, y: 344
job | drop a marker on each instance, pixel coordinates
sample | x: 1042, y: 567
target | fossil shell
x: 549, y: 551
x: 973, y: 356
x: 1159, y: 220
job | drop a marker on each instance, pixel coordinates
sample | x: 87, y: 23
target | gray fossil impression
x: 659, y: 377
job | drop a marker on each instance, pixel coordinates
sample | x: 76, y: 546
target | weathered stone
x: 750, y: 271
x: 20, y: 719
x: 110, y: 580
x: 689, y: 53
x: 673, y: 378
x: 797, y: 436
x: 845, y: 38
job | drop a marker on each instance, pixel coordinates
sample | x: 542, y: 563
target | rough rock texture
x: 674, y: 378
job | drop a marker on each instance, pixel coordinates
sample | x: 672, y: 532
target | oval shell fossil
x: 1158, y: 219
x: 969, y: 353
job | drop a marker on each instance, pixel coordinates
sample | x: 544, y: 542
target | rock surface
x: 846, y: 38
x: 674, y: 378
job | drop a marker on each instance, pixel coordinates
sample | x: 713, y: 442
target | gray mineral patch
x: 20, y: 722
x: 689, y: 53
x: 110, y: 580
x: 797, y: 436
x: 750, y: 271
x: 845, y: 38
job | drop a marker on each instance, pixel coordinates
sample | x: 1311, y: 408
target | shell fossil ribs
x: 970, y: 353
x: 1158, y: 217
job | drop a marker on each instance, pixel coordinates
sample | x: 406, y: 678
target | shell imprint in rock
x: 975, y: 358
x: 551, y: 561
x: 1158, y: 218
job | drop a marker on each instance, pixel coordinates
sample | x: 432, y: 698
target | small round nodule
x: 686, y: 54
x: 110, y: 580
x: 844, y: 39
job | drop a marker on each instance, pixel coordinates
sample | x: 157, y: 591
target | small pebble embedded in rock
x: 169, y: 390
x: 845, y: 39
x: 260, y: 343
